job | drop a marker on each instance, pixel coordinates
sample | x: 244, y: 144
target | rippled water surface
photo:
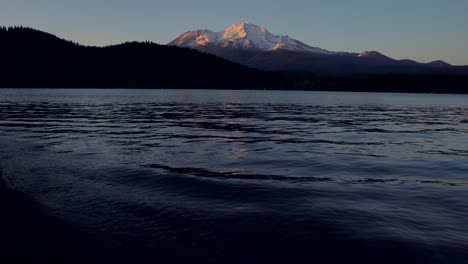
x: 247, y: 176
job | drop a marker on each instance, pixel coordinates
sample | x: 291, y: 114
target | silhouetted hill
x: 35, y: 59
x: 31, y: 58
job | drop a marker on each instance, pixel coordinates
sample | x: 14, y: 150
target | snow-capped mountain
x: 243, y: 36
x: 254, y: 46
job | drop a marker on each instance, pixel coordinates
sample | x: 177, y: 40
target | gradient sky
x: 423, y: 30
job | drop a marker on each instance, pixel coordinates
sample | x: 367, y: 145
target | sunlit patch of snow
x: 246, y: 36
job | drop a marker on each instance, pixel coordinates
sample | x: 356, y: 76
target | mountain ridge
x: 52, y: 62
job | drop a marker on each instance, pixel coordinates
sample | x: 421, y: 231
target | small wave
x: 205, y: 173
x: 450, y: 152
x: 236, y: 175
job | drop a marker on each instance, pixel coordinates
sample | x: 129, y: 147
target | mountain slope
x: 255, y: 47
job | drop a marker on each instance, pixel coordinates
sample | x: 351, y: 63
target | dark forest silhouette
x: 35, y: 59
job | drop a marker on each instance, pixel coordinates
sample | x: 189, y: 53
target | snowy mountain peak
x: 243, y: 35
x: 243, y: 30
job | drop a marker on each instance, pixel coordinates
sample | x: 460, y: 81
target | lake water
x: 247, y: 176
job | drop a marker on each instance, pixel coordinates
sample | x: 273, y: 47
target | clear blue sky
x: 423, y: 30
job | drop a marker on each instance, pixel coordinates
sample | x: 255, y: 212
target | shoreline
x: 244, y: 89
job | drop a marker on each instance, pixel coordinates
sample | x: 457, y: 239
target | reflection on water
x: 293, y: 175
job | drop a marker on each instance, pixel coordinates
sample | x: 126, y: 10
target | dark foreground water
x: 246, y: 176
